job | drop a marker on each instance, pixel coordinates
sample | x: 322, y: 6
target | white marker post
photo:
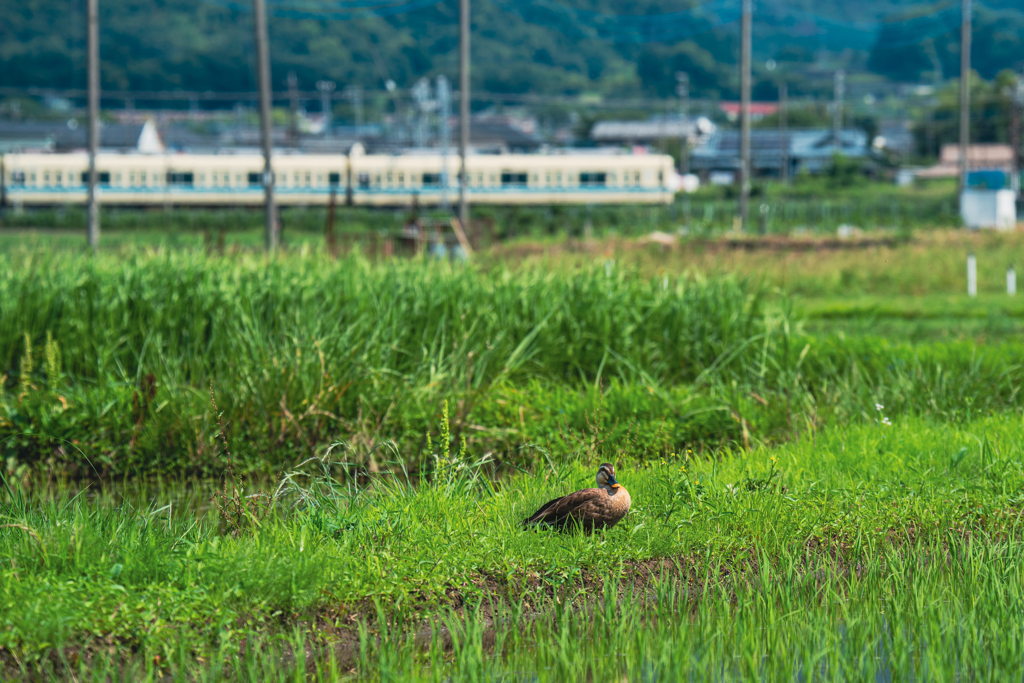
x: 1011, y: 280
x: 972, y: 276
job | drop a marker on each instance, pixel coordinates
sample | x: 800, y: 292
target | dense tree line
x: 200, y: 45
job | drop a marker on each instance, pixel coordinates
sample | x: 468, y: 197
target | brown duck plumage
x: 588, y: 509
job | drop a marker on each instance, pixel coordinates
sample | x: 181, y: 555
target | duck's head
x: 606, y: 477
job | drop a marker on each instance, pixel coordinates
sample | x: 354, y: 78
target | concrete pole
x: 683, y: 91
x: 326, y: 88
x: 94, y: 121
x: 293, y: 109
x: 839, y: 89
x: 972, y: 275
x: 965, y: 88
x: 266, y: 138
x: 1015, y: 111
x: 463, y: 113
x: 745, y: 47
x: 444, y: 105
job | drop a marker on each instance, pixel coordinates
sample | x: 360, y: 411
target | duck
x: 588, y: 509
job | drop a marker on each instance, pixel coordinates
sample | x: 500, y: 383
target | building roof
x: 63, y: 136
x: 643, y: 131
x: 722, y: 149
x: 756, y: 108
x: 498, y: 134
x: 22, y: 136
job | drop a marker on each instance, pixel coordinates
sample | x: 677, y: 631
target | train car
x: 229, y: 179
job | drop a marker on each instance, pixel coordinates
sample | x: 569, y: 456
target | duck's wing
x: 560, y: 510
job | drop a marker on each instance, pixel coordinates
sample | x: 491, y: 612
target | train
x: 357, y: 178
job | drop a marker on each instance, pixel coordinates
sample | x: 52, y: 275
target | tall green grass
x: 109, y: 361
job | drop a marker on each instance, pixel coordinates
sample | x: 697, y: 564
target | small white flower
x: 885, y: 421
x: 879, y: 406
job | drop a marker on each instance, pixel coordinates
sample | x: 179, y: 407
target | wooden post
x: 332, y: 245
x: 745, y: 48
x: 965, y: 88
x: 94, y: 121
x: 463, y: 110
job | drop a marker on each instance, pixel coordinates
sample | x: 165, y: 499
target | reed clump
x: 306, y: 351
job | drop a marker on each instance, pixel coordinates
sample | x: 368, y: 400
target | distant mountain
x: 200, y: 45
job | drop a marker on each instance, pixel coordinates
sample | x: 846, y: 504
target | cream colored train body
x: 361, y: 179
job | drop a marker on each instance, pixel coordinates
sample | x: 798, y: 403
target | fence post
x: 972, y: 276
x: 1011, y: 280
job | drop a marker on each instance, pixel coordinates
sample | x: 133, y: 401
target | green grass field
x: 234, y: 468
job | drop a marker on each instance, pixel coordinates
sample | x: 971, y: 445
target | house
x: 809, y: 151
x: 989, y: 157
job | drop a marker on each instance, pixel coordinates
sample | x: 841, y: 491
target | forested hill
x: 207, y: 45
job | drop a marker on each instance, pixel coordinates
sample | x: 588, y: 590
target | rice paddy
x: 229, y: 468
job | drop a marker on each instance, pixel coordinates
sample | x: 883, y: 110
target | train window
x: 611, y: 178
x: 636, y: 179
x: 401, y: 180
x: 103, y: 178
x: 547, y: 178
x: 213, y: 179
x: 376, y: 180
x: 46, y: 178
x: 364, y: 181
x: 308, y: 179
x: 334, y: 179
x: 32, y: 178
x: 296, y: 180
x: 319, y: 179
x: 238, y: 179
x: 18, y: 178
x: 60, y: 178
x: 593, y: 179
x: 661, y: 177
x: 178, y: 178
x: 131, y: 179
x: 254, y: 180
x: 558, y: 178
x: 389, y: 179
x: 431, y: 179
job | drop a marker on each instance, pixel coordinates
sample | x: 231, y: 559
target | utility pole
x: 683, y: 91
x: 326, y: 88
x: 263, y: 67
x: 1016, y: 104
x: 783, y: 132
x: 355, y: 94
x: 745, y: 45
x: 965, y: 88
x: 839, y: 89
x: 463, y: 112
x: 293, y: 109
x: 444, y: 107
x: 94, y: 121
